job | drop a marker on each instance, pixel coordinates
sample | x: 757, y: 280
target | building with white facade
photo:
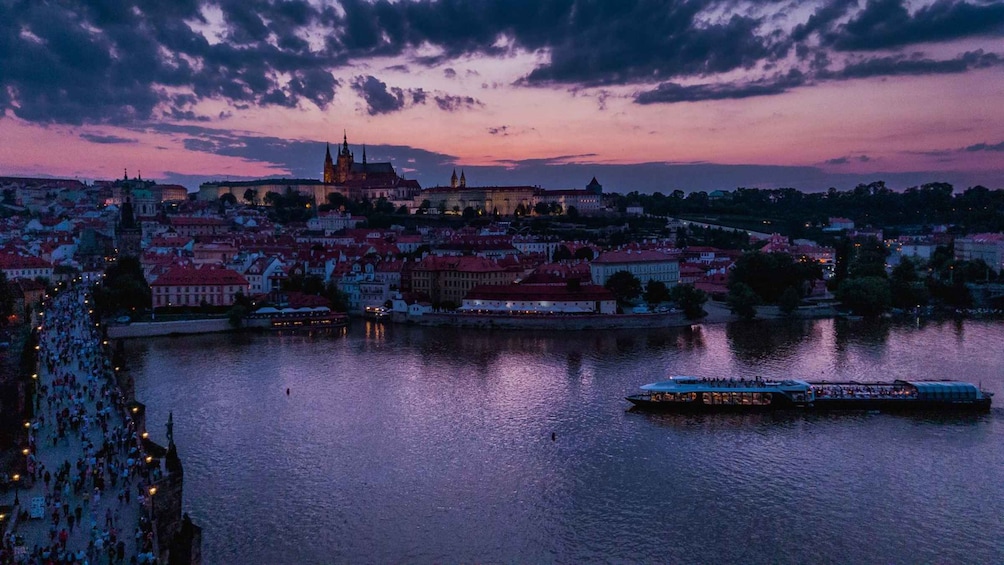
x: 644, y: 264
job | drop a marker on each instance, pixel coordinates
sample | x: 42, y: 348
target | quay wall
x: 178, y: 327
x: 559, y: 323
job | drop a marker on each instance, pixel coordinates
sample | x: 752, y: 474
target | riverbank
x: 717, y: 313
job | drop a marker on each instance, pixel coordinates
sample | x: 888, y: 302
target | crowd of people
x: 84, y: 455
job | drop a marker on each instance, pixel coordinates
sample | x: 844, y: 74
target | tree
x: 402, y: 211
x: 865, y: 296
x: 869, y: 259
x: 906, y: 288
x: 742, y: 301
x: 520, y: 210
x: 555, y: 208
x: 273, y: 198
x: 236, y: 316
x: 470, y: 213
x: 250, y: 196
x: 228, y: 199
x: 789, y: 300
x: 561, y: 253
x: 656, y: 292
x: 768, y: 274
x: 541, y: 209
x: 123, y: 288
x: 6, y: 299
x: 625, y: 286
x: 584, y: 253
x: 691, y: 300
x: 572, y: 213
x: 423, y: 208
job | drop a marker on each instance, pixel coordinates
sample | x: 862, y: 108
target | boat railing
x: 852, y: 391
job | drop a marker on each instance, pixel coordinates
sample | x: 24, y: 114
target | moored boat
x: 697, y: 394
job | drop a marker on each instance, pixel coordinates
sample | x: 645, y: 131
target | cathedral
x: 344, y: 170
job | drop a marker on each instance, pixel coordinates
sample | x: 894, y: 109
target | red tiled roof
x: 187, y: 276
x: 465, y: 263
x: 12, y: 261
x: 634, y: 256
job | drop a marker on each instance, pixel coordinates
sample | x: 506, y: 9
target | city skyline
x: 644, y: 95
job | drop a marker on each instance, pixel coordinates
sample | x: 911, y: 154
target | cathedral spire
x: 364, y: 155
x: 345, y: 142
x: 453, y: 179
x: 327, y: 152
x: 463, y: 179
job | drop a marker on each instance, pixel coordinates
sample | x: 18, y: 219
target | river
x: 417, y: 445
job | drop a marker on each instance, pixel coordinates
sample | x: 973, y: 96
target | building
x: 341, y: 175
x: 644, y: 264
x: 540, y: 299
x: 128, y: 232
x: 449, y: 279
x: 190, y: 226
x: 988, y: 247
x: 507, y: 200
x: 24, y: 267
x: 190, y: 286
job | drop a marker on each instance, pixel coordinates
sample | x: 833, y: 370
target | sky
x: 646, y: 95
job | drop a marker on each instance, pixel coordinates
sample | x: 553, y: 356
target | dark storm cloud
x: 900, y: 65
x: 106, y: 139
x: 883, y: 24
x: 378, y: 97
x: 669, y: 92
x: 985, y: 147
x: 448, y: 103
x: 125, y: 61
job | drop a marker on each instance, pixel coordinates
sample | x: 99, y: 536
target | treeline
x: 976, y: 209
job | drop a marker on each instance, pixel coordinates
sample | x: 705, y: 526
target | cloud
x: 448, y: 103
x: 884, y: 24
x: 379, y: 99
x: 847, y: 159
x: 669, y: 92
x: 130, y: 61
x: 500, y: 130
x: 985, y: 147
x: 109, y: 139
x: 901, y: 65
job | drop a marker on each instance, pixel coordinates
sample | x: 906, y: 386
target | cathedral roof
x: 373, y: 168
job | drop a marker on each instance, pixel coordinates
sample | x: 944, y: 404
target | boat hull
x: 644, y: 402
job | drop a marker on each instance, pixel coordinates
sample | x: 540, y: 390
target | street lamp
x: 16, y: 477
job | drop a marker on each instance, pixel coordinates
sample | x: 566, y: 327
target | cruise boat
x: 698, y: 394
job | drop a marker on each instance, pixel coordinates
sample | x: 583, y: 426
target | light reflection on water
x: 401, y: 444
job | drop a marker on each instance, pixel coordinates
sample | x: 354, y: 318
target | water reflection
x: 422, y: 445
x: 756, y: 340
x: 870, y: 333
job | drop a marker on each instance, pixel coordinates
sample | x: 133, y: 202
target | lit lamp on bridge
x: 17, y: 479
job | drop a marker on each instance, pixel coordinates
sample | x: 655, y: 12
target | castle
x: 342, y: 175
x: 345, y: 170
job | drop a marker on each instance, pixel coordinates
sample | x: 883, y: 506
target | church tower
x: 343, y: 168
x: 129, y: 232
x: 463, y: 179
x: 453, y: 179
x: 329, y: 166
